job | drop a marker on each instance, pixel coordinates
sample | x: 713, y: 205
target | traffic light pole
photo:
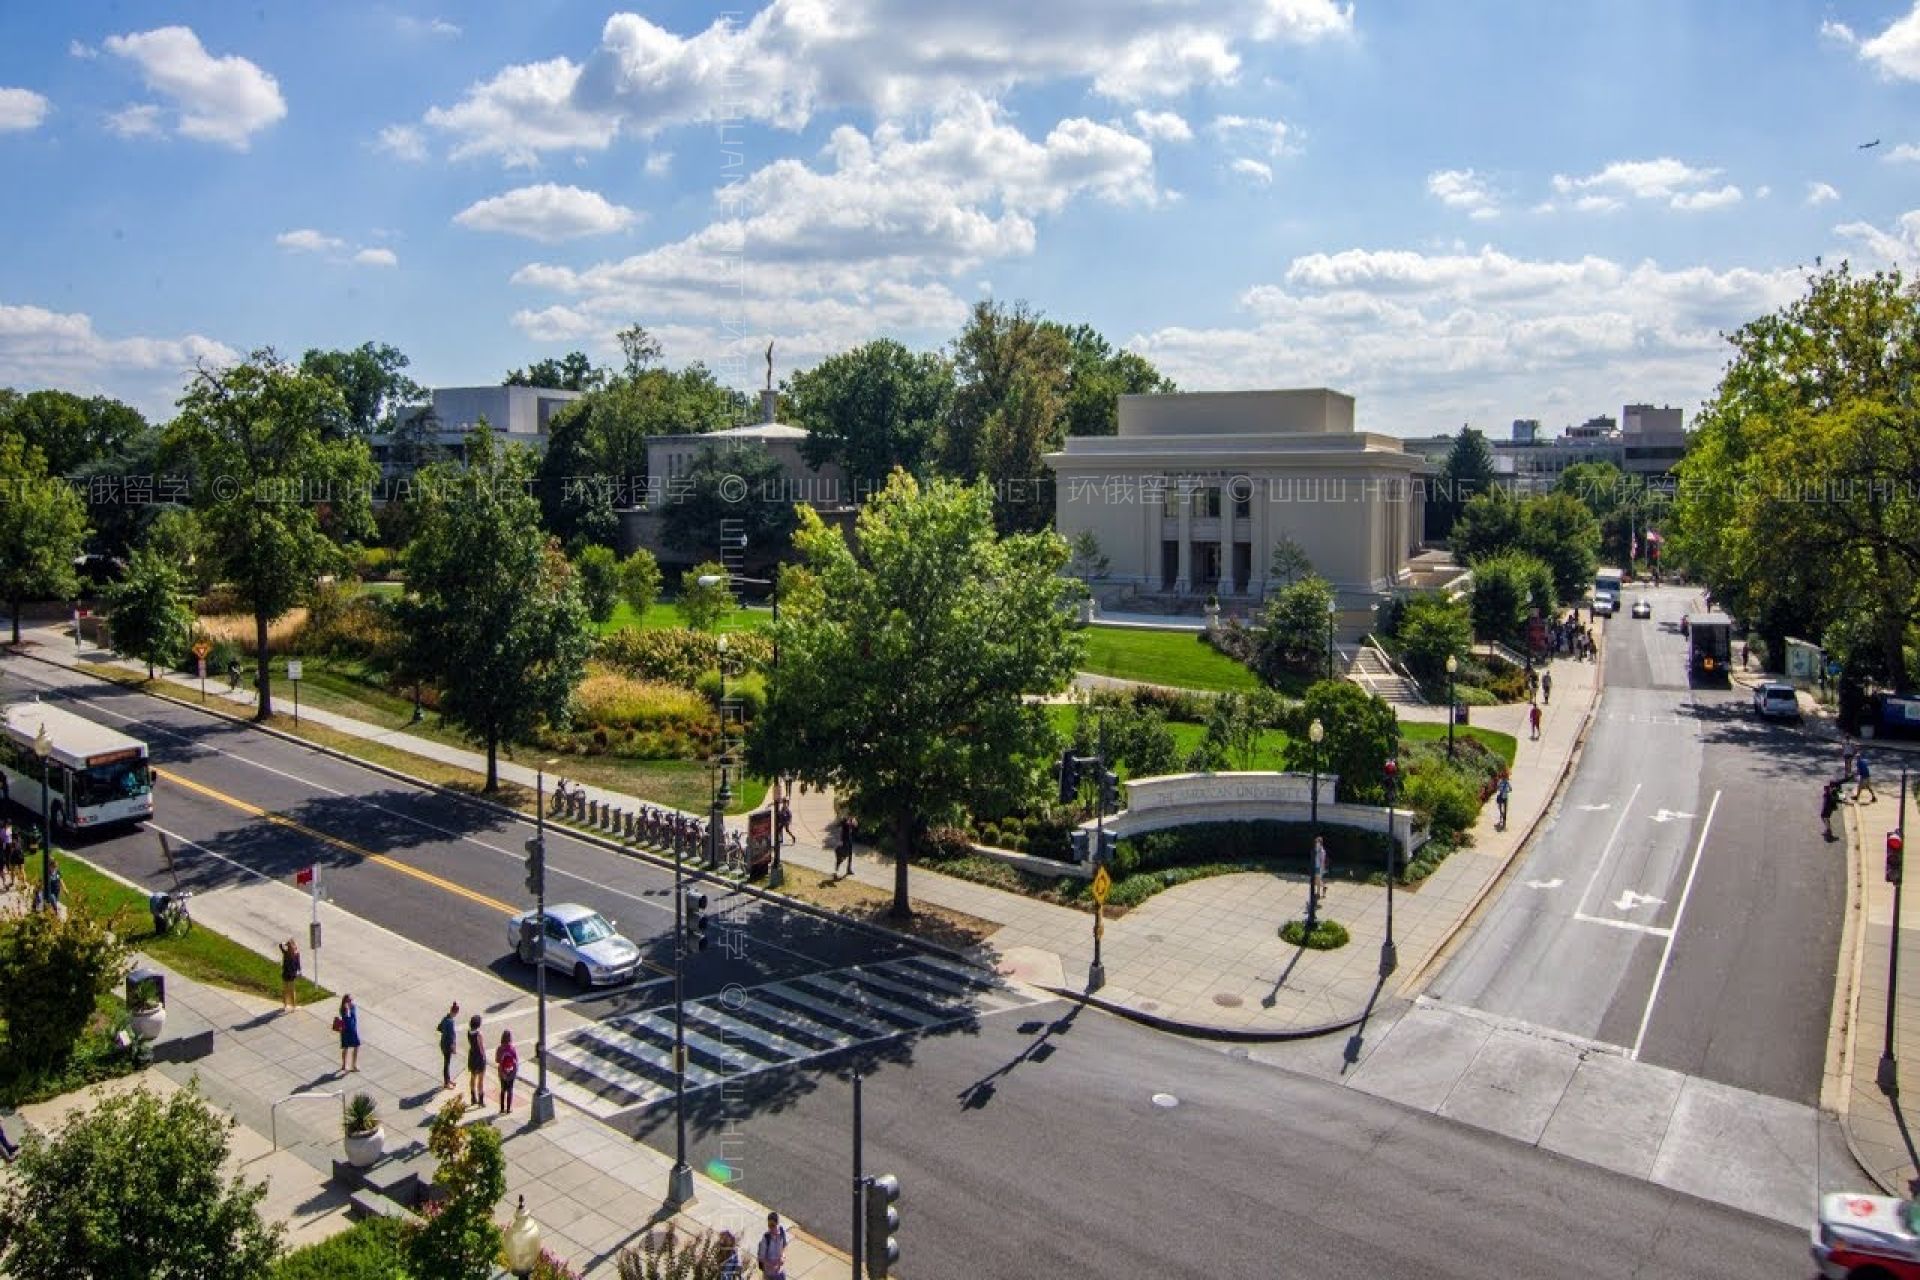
x: 680, y: 1181
x: 1888, y: 1076
x: 859, y: 1186
x: 542, y: 1095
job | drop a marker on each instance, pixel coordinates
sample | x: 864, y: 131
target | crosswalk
x: 627, y: 1061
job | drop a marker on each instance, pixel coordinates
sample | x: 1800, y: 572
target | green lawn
x: 1180, y: 658
x: 1503, y: 745
x: 1270, y: 753
x: 666, y: 613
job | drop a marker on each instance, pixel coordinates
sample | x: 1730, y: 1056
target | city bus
x: 95, y: 776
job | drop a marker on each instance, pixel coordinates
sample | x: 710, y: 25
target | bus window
x: 106, y: 783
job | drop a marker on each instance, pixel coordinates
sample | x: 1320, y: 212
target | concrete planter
x: 147, y: 1023
x: 365, y: 1148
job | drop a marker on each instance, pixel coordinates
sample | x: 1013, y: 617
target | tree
x: 640, y: 581
x: 125, y: 490
x: 599, y: 575
x: 1087, y: 560
x: 1506, y: 590
x: 572, y: 372
x: 640, y: 349
x: 1560, y: 531
x: 704, y: 606
x: 1361, y: 736
x: 460, y: 1240
x: 269, y: 475
x: 730, y: 490
x: 1294, y: 632
x: 133, y: 1189
x: 1433, y: 629
x: 1138, y: 739
x: 43, y: 527
x: 373, y: 386
x: 149, y: 610
x: 177, y: 538
x: 1465, y: 475
x: 1011, y: 372
x: 52, y: 971
x: 1617, y: 502
x: 1486, y: 526
x: 494, y: 614
x: 1290, y: 562
x: 1234, y: 726
x: 71, y: 431
x: 905, y: 665
x: 1097, y: 376
x: 871, y: 409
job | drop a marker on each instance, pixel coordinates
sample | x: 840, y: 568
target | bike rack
x: 274, y: 1111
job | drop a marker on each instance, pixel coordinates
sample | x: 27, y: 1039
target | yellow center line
x: 382, y: 859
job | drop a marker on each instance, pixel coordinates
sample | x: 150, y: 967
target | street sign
x: 1833, y: 668
x: 1102, y: 885
x: 201, y: 649
x: 293, y: 668
x: 303, y: 876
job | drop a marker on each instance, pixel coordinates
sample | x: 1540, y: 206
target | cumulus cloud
x: 796, y: 58
x: 377, y: 258
x: 1162, y: 126
x: 1465, y: 190
x: 1694, y: 201
x: 135, y: 122
x: 307, y: 240
x: 21, y: 109
x: 1897, y: 247
x: 411, y: 26
x: 547, y: 212
x: 403, y: 142
x: 224, y: 100
x: 1253, y: 171
x: 1896, y: 51
x: 1819, y: 193
x: 1838, y: 32
x: 1905, y: 153
x: 43, y: 348
x: 82, y: 50
x: 1268, y: 135
x: 1681, y: 185
x: 658, y: 163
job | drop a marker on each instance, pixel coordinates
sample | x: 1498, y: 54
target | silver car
x: 580, y: 941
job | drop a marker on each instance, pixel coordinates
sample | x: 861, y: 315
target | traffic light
x: 1894, y: 857
x: 1109, y: 790
x: 882, y: 1221
x: 530, y: 934
x: 1069, y: 776
x: 696, y: 920
x: 536, y: 866
x: 1109, y: 845
x: 1082, y: 844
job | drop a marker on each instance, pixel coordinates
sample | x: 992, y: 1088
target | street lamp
x: 776, y: 874
x: 1389, y: 953
x: 1453, y: 709
x: 1315, y: 733
x: 521, y: 1242
x: 537, y: 855
x: 43, y: 747
x: 1888, y: 1075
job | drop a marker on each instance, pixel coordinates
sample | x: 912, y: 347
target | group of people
x: 13, y: 857
x: 1570, y: 639
x: 1853, y: 765
x: 506, y: 1059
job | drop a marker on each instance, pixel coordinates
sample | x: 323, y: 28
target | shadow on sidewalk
x: 1351, y: 1056
x: 1272, y: 997
x: 1906, y: 1136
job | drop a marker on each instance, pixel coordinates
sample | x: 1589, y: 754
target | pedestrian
x: 1546, y: 688
x: 731, y: 1268
x: 507, y: 1060
x: 347, y: 1023
x: 1319, y: 868
x: 9, y: 1149
x: 1829, y: 801
x: 784, y: 817
x: 772, y: 1253
x: 1863, y: 778
x: 6, y: 852
x: 1533, y: 719
x: 233, y: 674
x: 289, y: 973
x: 449, y: 1034
x: 55, y: 884
x: 849, y: 827
x: 476, y: 1063
x: 1502, y: 792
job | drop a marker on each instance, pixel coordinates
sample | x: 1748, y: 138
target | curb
x: 1856, y: 903
x: 589, y: 837
x: 1203, y: 1030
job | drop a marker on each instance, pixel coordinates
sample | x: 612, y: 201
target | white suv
x: 1776, y: 698
x: 1603, y: 604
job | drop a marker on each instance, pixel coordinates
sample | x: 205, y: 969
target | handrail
x: 1501, y: 651
x: 1372, y: 641
x: 273, y: 1114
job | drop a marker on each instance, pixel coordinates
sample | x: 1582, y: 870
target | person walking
x: 1546, y: 688
x: 507, y: 1060
x: 783, y: 816
x: 1829, y: 801
x: 449, y: 1029
x: 9, y: 1149
x: 347, y: 1023
x: 1863, y: 778
x: 289, y: 973
x: 1319, y: 868
x: 731, y: 1267
x: 772, y: 1252
x: 1502, y: 793
x: 476, y: 1063
x: 849, y: 827
x: 6, y: 852
x: 1533, y: 719
x: 233, y: 674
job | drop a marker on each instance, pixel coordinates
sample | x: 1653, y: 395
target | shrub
x: 373, y: 564
x: 1447, y: 799
x: 51, y: 969
x: 363, y: 1116
x: 1327, y: 935
x: 667, y: 1255
x: 677, y: 654
x: 460, y: 1240
x: 748, y: 692
x: 369, y: 1250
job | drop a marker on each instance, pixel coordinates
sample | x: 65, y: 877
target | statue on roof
x: 769, y: 365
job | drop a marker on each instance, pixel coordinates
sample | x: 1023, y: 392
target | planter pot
x: 147, y: 1023
x: 365, y: 1148
x: 1086, y: 610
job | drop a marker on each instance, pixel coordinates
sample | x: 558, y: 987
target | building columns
x: 1183, y: 583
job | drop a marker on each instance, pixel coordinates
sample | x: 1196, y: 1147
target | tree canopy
x: 43, y: 526
x: 70, y: 431
x: 871, y: 409
x: 571, y: 372
x: 150, y: 611
x: 729, y: 490
x: 373, y: 386
x: 1466, y: 474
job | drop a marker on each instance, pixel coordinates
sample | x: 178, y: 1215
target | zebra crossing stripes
x: 627, y: 1061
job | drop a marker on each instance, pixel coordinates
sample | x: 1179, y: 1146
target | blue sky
x: 1460, y: 212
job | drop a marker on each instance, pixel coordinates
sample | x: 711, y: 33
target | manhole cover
x: 1165, y: 1100
x: 1226, y: 1001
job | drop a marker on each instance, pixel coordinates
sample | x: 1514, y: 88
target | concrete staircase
x: 1371, y: 670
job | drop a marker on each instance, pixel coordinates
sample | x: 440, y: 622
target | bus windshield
x: 105, y: 783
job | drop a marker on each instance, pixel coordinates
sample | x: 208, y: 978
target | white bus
x: 95, y: 776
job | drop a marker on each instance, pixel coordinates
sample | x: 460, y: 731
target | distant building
x: 1526, y: 430
x: 516, y: 415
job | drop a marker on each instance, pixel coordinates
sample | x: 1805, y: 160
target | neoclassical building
x: 1193, y: 493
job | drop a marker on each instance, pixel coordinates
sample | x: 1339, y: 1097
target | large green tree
x: 1011, y: 378
x: 270, y: 482
x: 1466, y: 474
x: 907, y: 658
x: 1559, y: 529
x: 1097, y: 376
x: 572, y: 372
x: 373, y: 384
x: 1296, y: 631
x: 149, y: 610
x: 43, y: 526
x: 71, y: 431
x: 1362, y: 734
x: 871, y: 409
x: 730, y: 490
x: 493, y: 612
x: 136, y: 1189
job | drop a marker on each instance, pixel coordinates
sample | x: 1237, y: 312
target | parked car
x: 1776, y: 698
x: 580, y: 941
x: 1856, y: 1235
x: 1642, y: 609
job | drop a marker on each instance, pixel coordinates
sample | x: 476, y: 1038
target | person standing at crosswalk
x: 476, y: 1063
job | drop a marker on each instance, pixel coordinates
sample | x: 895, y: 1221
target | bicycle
x: 563, y: 795
x: 174, y: 918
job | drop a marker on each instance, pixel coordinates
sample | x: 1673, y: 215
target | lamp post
x: 680, y: 1180
x: 1888, y: 1075
x: 1389, y: 953
x: 1315, y: 733
x: 521, y: 1242
x: 43, y: 747
x: 1453, y: 710
x: 542, y: 1095
x: 776, y: 874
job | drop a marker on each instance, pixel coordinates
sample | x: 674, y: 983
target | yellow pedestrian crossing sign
x: 1102, y: 885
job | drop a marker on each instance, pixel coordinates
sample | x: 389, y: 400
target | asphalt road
x: 1030, y: 1141
x: 1680, y: 902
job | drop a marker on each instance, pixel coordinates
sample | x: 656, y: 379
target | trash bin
x: 1460, y: 713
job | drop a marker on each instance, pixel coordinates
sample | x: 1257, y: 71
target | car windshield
x: 588, y: 930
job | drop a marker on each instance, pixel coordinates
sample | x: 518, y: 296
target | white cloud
x: 42, y: 348
x: 81, y: 50
x: 403, y: 142
x: 1896, y: 51
x: 894, y: 58
x: 411, y: 26
x: 1162, y: 126
x: 377, y: 258
x: 1899, y: 247
x: 658, y: 163
x: 547, y: 212
x: 1268, y: 134
x: 224, y: 100
x: 135, y: 122
x: 21, y: 109
x: 1838, y: 32
x: 1762, y: 192
x: 1904, y: 153
x: 1681, y: 185
x: 1465, y: 190
x: 1696, y: 201
x: 1597, y: 204
x: 1253, y: 170
x: 307, y: 240
x: 1819, y: 193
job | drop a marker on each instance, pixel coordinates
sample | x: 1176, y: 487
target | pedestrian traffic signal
x: 1069, y: 776
x: 1894, y: 857
x: 882, y: 1221
x: 696, y: 919
x: 1109, y: 845
x: 536, y: 866
x: 1109, y: 790
x: 1082, y: 844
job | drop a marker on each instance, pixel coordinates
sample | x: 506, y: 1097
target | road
x: 1028, y: 1135
x: 1679, y: 904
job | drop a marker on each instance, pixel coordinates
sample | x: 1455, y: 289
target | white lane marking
x: 1668, y: 815
x: 1593, y: 808
x: 1680, y: 912
x: 1629, y: 900
x: 1630, y: 926
x: 1554, y: 883
x: 1606, y: 851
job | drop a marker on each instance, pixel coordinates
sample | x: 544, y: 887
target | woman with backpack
x: 508, y: 1061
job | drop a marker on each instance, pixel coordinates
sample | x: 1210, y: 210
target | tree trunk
x: 16, y: 619
x: 493, y: 762
x: 903, y: 835
x: 260, y: 684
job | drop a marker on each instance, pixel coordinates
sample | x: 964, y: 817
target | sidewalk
x: 1203, y: 957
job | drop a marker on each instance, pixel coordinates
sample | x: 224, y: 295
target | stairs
x: 1370, y: 670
